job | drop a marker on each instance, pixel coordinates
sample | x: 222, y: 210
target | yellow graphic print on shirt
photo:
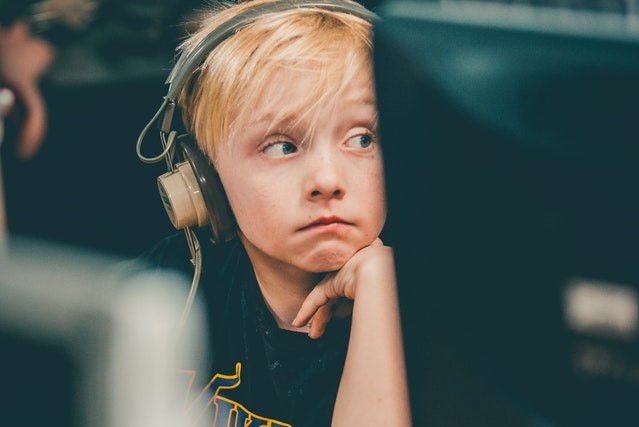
x: 223, y: 412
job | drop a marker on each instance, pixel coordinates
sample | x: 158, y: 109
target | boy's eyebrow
x: 280, y: 121
x: 271, y: 116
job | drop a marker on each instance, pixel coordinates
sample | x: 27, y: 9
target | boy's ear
x: 193, y: 194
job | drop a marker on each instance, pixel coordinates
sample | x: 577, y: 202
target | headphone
x: 191, y: 190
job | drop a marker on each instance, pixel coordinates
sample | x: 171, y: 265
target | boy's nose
x: 324, y: 179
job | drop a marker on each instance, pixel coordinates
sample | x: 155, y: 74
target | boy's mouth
x: 324, y: 222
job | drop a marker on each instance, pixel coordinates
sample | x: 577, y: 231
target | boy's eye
x: 279, y: 149
x: 364, y: 140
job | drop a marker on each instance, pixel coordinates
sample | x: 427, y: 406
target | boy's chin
x: 328, y: 260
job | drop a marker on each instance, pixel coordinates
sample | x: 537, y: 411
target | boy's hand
x: 371, y: 266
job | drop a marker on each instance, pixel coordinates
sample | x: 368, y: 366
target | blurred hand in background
x: 24, y: 58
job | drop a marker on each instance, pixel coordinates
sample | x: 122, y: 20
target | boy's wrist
x: 377, y: 273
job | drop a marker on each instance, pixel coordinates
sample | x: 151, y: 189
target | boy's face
x: 307, y: 205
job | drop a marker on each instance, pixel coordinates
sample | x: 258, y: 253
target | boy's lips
x: 325, y: 222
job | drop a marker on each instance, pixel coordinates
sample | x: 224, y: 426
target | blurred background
x: 85, y: 185
x: 77, y: 201
x: 518, y: 259
x: 510, y: 153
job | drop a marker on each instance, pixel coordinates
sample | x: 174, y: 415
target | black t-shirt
x: 264, y: 373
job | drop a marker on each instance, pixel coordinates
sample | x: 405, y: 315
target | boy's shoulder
x: 172, y: 252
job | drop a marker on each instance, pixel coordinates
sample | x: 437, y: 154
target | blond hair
x: 334, y: 46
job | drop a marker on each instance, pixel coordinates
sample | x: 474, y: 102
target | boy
x: 302, y: 302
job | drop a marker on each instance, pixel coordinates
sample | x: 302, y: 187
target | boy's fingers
x: 316, y: 299
x: 33, y: 126
x: 320, y: 320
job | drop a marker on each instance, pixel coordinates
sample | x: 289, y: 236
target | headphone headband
x: 186, y: 65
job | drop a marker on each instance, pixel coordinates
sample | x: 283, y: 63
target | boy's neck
x: 283, y: 287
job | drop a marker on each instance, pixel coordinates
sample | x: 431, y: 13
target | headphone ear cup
x: 181, y: 196
x: 221, y: 217
x: 193, y: 194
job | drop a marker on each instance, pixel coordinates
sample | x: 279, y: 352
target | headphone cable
x: 196, y: 254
